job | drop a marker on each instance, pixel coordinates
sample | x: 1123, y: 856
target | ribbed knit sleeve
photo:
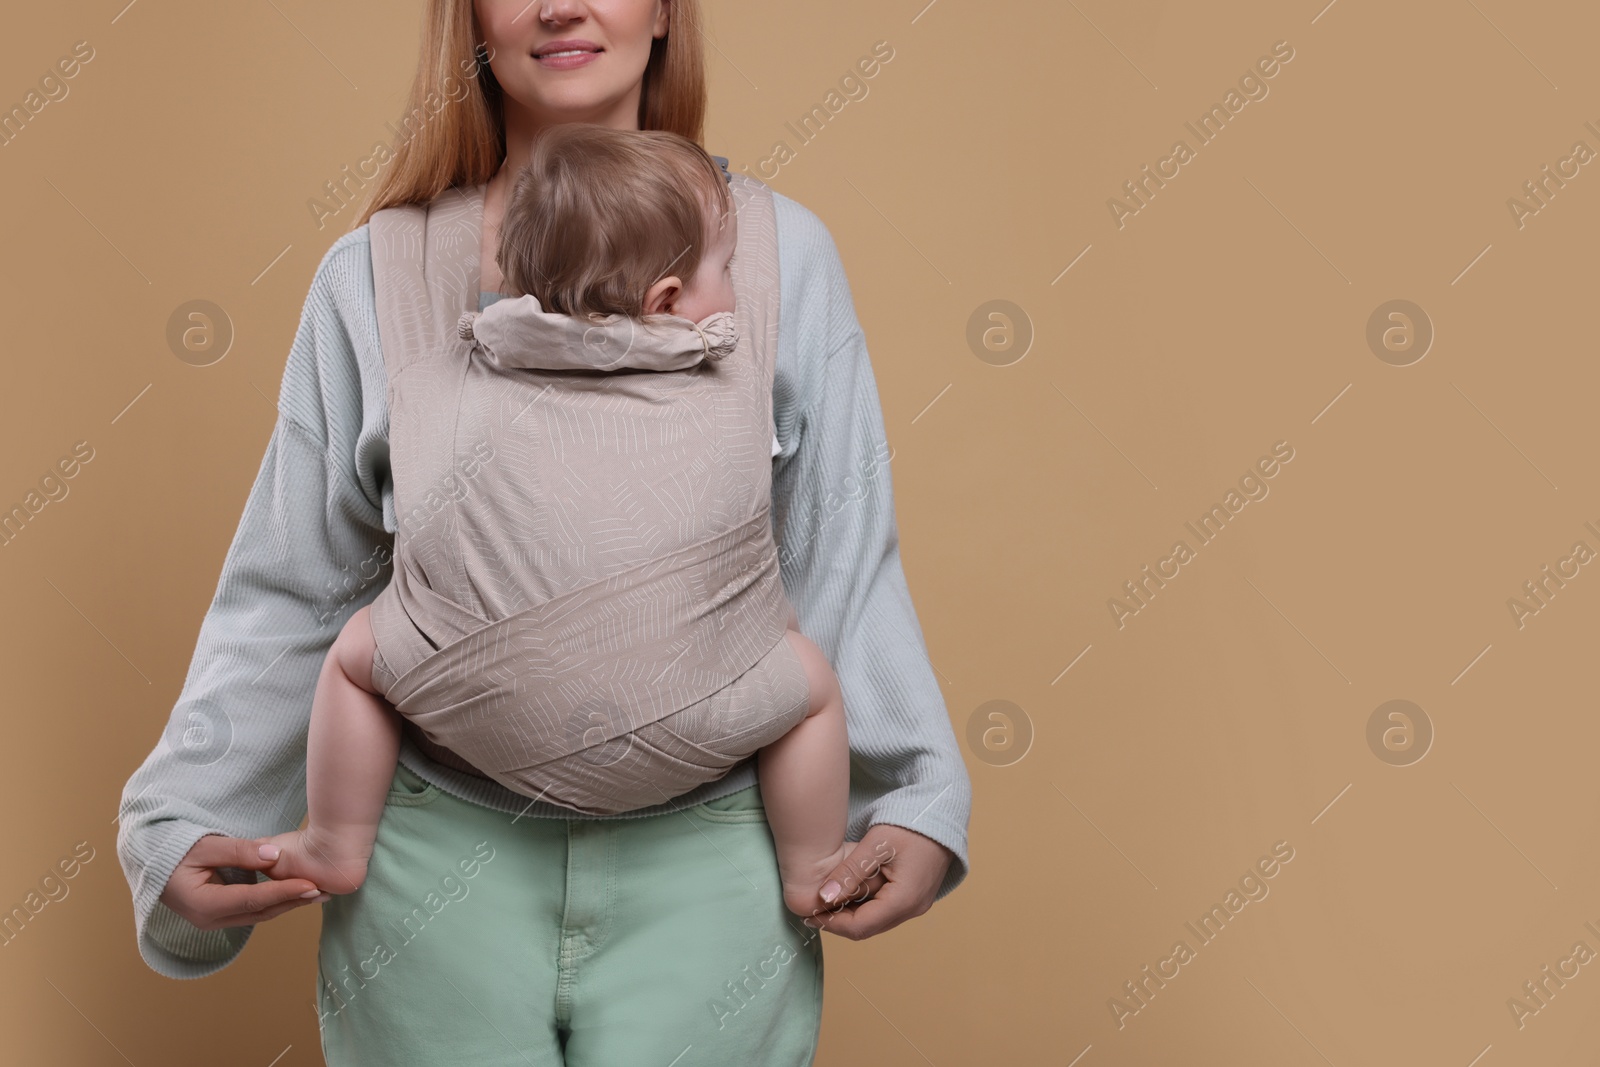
x: 839, y: 548
x: 232, y: 757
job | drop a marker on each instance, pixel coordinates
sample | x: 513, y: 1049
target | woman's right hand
x: 200, y: 892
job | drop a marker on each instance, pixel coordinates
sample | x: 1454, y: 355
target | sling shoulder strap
x: 425, y: 273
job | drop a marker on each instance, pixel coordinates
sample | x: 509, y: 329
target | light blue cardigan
x: 313, y: 546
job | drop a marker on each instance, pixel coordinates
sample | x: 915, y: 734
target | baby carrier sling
x: 586, y: 604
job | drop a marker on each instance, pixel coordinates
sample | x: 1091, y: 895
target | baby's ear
x: 659, y: 297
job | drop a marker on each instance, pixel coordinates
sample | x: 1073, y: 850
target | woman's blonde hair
x: 454, y: 130
x: 599, y: 215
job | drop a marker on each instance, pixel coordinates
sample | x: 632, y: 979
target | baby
x: 652, y: 631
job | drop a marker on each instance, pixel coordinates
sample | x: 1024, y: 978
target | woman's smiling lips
x: 566, y: 53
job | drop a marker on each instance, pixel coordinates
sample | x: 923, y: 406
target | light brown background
x: 1223, y: 318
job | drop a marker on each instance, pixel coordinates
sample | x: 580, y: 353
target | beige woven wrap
x: 586, y: 605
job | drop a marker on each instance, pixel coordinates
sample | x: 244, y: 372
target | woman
x: 491, y: 930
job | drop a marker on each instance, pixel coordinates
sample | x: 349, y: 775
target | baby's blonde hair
x: 599, y: 215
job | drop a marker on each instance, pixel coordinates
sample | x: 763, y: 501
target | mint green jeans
x: 486, y: 939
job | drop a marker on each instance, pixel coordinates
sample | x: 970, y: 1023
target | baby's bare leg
x: 805, y: 786
x: 351, y: 750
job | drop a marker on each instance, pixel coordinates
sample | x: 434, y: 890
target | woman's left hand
x: 890, y: 876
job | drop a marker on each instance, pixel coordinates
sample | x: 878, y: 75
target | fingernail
x: 830, y: 890
x: 313, y: 893
x: 268, y: 852
x: 323, y: 898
